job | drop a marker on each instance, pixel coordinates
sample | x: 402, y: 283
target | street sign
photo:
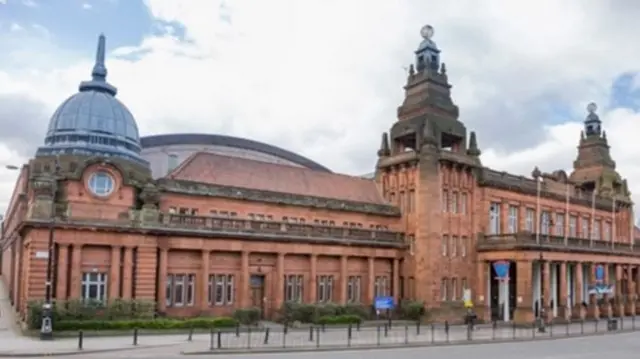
x: 384, y: 303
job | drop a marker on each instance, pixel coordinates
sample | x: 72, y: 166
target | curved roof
x: 228, y: 141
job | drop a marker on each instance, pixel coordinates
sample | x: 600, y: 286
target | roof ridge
x: 176, y: 171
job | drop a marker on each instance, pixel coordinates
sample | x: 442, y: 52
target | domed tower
x: 90, y: 163
x: 93, y: 122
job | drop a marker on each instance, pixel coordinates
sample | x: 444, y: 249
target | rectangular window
x: 221, y: 289
x: 445, y: 200
x: 445, y: 245
x: 530, y: 219
x: 180, y: 290
x: 463, y: 283
x: 293, y: 289
x: 596, y: 230
x: 573, y: 224
x: 494, y: 218
x: 411, y: 200
x: 443, y: 290
x: 607, y: 231
x: 401, y: 201
x: 545, y: 223
x: 454, y: 289
x: 454, y: 202
x: 454, y: 246
x: 585, y: 228
x: 325, y: 288
x: 381, y: 286
x: 94, y: 287
x: 559, y: 225
x: 353, y: 289
x: 463, y: 246
x: 513, y: 219
x: 463, y: 203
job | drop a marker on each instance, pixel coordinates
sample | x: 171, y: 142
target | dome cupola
x: 93, y: 122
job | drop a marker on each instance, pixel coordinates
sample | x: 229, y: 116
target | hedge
x: 157, y: 324
x: 339, y: 319
x: 247, y: 316
x: 310, y: 313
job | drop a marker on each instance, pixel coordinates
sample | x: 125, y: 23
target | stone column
x: 619, y: 298
x: 279, y: 295
x: 607, y: 308
x: 396, y: 281
x: 630, y: 297
x: 76, y: 272
x: 580, y: 309
x: 371, y: 277
x: 344, y: 279
x: 127, y: 273
x: 594, y: 309
x: 563, y: 298
x: 546, y: 285
x: 524, y: 296
x: 114, y: 273
x: 313, y: 279
x: 163, y: 264
x: 202, y: 293
x: 63, y: 269
x: 244, y: 290
x: 481, y: 302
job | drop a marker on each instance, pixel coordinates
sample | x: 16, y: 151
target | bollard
x: 514, y: 330
x: 190, y: 337
x: 318, y: 337
x: 533, y: 329
x: 551, y: 328
x: 219, y: 339
x: 494, y: 326
x: 324, y: 327
x: 358, y: 326
x: 378, y: 334
x: 249, y: 338
x: 266, y: 336
x: 286, y: 328
x: 80, y: 340
x: 406, y: 334
x: 597, y: 322
x: 135, y: 336
x: 469, y: 330
x: 211, y: 336
x: 446, y: 329
x: 418, y: 327
x: 284, y: 338
x: 349, y: 335
x: 390, y: 322
x: 386, y: 331
x: 237, y: 329
x: 433, y: 334
x: 633, y: 321
x: 311, y: 333
x: 568, y: 324
x: 582, y: 326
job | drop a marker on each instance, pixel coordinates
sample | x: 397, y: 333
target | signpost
x: 502, y: 275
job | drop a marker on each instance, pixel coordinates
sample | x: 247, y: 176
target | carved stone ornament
x: 44, y: 186
x: 150, y: 195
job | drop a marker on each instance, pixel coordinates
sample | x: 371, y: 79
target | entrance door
x: 257, y: 293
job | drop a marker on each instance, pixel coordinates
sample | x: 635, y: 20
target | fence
x: 389, y: 334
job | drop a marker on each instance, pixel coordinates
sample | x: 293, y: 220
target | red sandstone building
x: 221, y: 232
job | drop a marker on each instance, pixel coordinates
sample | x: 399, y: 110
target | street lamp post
x: 46, y: 325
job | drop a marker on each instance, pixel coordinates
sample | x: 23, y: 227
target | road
x: 619, y: 346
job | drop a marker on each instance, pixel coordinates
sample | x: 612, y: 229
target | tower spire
x: 99, y: 73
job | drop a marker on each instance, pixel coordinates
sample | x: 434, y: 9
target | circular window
x: 101, y: 184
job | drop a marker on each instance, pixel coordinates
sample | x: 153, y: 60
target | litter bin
x: 612, y: 325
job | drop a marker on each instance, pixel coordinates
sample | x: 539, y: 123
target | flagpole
x: 538, y: 189
x: 613, y: 221
x: 566, y: 217
x: 593, y: 217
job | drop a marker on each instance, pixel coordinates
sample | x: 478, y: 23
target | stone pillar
x: 63, y: 268
x: 344, y: 279
x: 580, y: 309
x: 563, y: 298
x: 619, y: 298
x: 127, y: 273
x: 630, y: 297
x: 396, y: 280
x: 245, y: 281
x: 279, y: 295
x: 76, y: 272
x: 313, y: 279
x: 114, y: 273
x: 546, y: 285
x: 481, y: 302
x: 594, y: 309
x: 371, y: 278
x: 202, y: 293
x: 163, y: 265
x: 524, y: 296
x: 607, y: 308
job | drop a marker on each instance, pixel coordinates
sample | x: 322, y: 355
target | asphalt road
x: 619, y: 346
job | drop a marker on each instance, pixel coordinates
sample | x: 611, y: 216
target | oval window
x: 101, y: 183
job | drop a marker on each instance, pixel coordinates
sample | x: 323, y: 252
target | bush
x: 157, y: 324
x: 78, y: 310
x: 339, y: 319
x: 247, y: 316
x: 412, y: 310
x: 311, y: 313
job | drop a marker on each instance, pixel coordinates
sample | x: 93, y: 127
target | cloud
x: 324, y: 77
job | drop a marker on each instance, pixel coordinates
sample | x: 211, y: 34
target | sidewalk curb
x: 78, y: 352
x: 392, y: 346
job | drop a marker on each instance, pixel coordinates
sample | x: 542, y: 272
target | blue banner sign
x: 599, y: 273
x: 502, y: 269
x: 384, y: 303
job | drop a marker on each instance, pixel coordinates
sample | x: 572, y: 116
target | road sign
x: 599, y: 273
x: 384, y: 303
x: 502, y: 269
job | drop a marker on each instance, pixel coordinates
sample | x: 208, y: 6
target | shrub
x: 412, y: 310
x: 156, y: 324
x: 310, y: 313
x: 339, y: 319
x: 247, y: 316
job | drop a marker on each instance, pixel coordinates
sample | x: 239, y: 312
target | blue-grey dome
x: 93, y: 122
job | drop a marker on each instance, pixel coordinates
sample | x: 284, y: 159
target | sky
x: 323, y: 78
